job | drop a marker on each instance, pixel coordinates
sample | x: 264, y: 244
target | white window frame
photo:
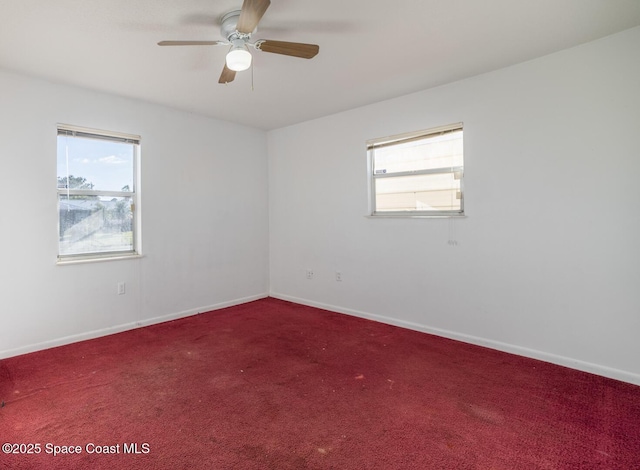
x: 134, y: 194
x: 457, y: 171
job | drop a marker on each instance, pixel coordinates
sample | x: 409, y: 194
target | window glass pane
x: 434, y: 192
x: 439, y: 151
x: 89, y: 224
x: 101, y: 165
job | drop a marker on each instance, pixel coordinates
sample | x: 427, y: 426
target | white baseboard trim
x: 592, y: 368
x: 125, y: 327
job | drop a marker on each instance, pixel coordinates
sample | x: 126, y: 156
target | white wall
x: 204, y: 208
x: 547, y: 263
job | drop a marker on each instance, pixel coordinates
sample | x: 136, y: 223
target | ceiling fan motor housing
x: 229, y: 25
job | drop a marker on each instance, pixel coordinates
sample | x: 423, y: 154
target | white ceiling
x: 370, y: 50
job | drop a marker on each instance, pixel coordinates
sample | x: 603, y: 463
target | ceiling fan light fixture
x: 238, y: 58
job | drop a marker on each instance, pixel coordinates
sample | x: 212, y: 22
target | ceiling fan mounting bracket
x: 238, y: 35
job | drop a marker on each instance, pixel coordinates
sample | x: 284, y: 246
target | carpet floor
x: 274, y: 385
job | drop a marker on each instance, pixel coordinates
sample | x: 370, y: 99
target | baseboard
x: 597, y: 369
x: 125, y: 327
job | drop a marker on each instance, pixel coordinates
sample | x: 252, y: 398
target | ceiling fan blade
x: 190, y: 43
x: 227, y: 75
x: 295, y: 49
x: 250, y: 15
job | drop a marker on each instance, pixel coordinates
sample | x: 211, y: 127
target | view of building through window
x: 419, y: 173
x: 96, y: 192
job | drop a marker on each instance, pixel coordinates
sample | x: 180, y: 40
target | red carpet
x: 274, y: 385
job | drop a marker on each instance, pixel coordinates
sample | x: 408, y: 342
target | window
x: 417, y: 174
x: 97, y: 198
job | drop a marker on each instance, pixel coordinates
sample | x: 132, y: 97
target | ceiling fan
x: 237, y: 27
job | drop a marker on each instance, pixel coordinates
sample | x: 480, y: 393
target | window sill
x: 416, y: 216
x: 68, y: 261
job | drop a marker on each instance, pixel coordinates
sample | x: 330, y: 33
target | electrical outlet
x: 121, y: 288
x: 338, y: 276
x: 309, y: 273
